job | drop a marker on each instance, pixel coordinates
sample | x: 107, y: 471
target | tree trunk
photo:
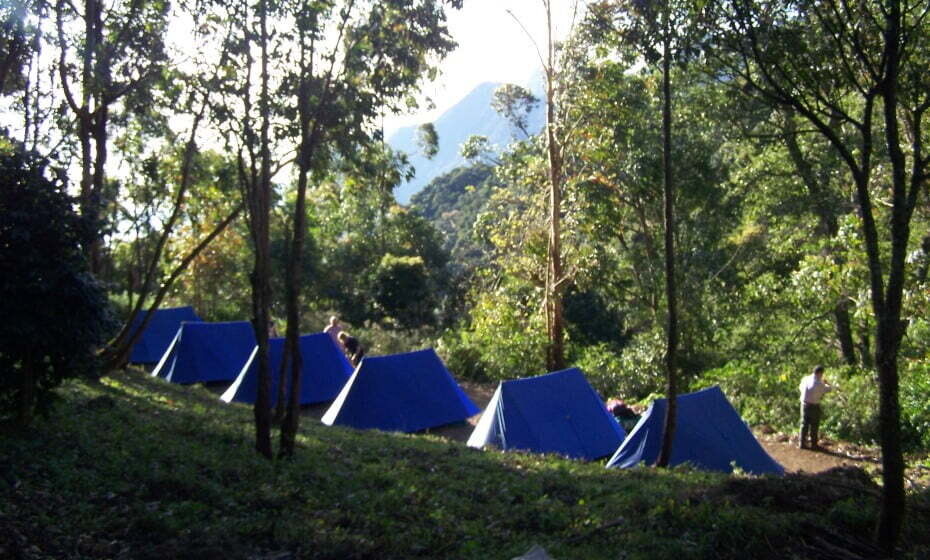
x: 555, y: 352
x: 261, y: 288
x: 889, y: 328
x: 671, y: 352
x: 117, y: 353
x: 844, y: 335
x: 311, y: 136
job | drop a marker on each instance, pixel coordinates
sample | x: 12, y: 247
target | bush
x: 761, y: 396
x: 612, y: 373
x: 402, y: 292
x: 504, y: 340
x: 851, y: 410
x: 54, y: 312
x: 915, y: 406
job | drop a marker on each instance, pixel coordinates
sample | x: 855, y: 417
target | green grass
x: 138, y: 468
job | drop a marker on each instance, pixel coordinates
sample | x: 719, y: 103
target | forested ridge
x: 725, y: 193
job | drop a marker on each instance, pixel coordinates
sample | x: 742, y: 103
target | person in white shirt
x: 333, y: 329
x: 812, y: 388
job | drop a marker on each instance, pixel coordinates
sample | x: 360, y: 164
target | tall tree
x: 381, y: 51
x: 306, y: 99
x: 660, y: 32
x: 556, y: 134
x: 853, y: 70
x: 107, y: 52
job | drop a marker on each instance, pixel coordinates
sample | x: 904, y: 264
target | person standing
x: 812, y: 388
x: 333, y: 329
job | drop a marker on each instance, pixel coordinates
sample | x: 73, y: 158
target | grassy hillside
x: 137, y: 468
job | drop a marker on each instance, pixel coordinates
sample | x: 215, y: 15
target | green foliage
x: 54, y: 312
x: 915, y: 406
x: 402, y: 291
x: 452, y: 202
x: 428, y: 140
x: 355, y: 226
x: 504, y: 338
x: 613, y: 373
x: 770, y: 396
x: 515, y: 104
x: 760, y: 394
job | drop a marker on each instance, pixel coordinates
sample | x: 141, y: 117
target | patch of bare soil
x: 832, y: 454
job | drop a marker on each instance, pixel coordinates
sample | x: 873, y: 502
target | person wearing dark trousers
x: 812, y: 388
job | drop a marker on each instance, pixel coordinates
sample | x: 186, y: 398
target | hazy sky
x: 492, y: 48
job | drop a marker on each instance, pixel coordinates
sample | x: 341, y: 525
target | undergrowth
x: 134, y: 467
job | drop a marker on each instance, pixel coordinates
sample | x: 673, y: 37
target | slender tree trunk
x: 89, y: 125
x: 291, y: 421
x: 890, y: 329
x: 261, y: 290
x: 555, y: 355
x: 671, y: 352
x: 311, y: 135
x: 844, y: 335
x: 117, y: 354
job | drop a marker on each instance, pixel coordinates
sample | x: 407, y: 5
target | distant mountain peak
x: 471, y: 115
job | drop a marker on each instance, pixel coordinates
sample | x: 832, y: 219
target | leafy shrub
x: 761, y: 396
x: 915, y: 406
x: 504, y: 340
x: 612, y: 375
x: 54, y: 312
x: 850, y: 411
x: 402, y: 291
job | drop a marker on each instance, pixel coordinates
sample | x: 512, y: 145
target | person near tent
x: 622, y: 413
x: 353, y: 348
x: 334, y: 329
x: 272, y: 329
x: 812, y: 388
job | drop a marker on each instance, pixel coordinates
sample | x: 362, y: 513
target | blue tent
x: 554, y: 413
x: 325, y: 370
x: 158, y: 333
x: 203, y: 352
x: 401, y: 392
x: 708, y: 434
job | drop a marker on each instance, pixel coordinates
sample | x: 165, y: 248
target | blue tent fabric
x: 324, y: 371
x: 401, y: 393
x: 203, y: 352
x: 709, y: 434
x: 554, y: 413
x: 158, y: 333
